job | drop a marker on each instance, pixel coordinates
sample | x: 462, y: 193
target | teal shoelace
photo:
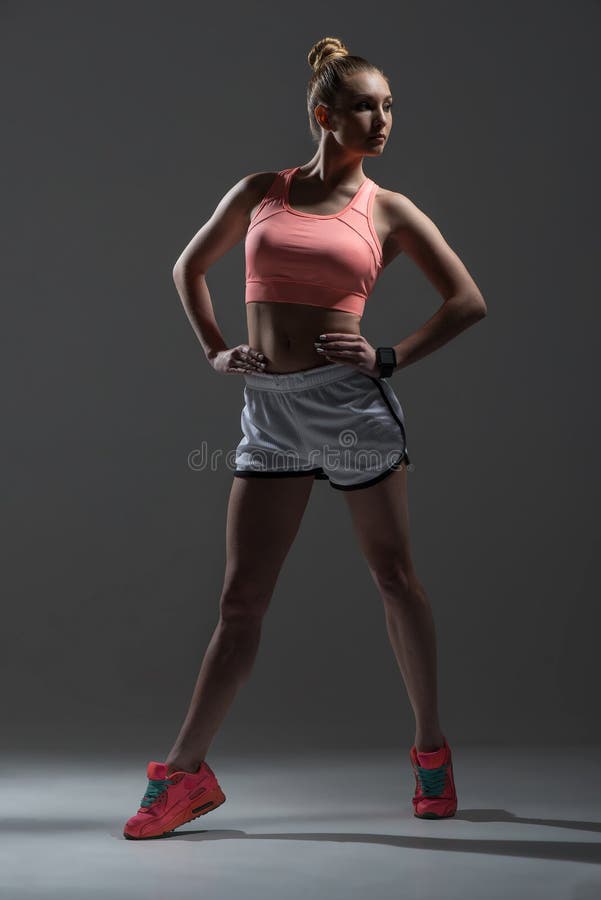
x: 432, y: 781
x: 155, y: 788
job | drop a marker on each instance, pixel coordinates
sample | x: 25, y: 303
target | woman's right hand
x: 238, y: 359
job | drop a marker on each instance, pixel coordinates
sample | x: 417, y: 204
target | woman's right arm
x: 226, y: 227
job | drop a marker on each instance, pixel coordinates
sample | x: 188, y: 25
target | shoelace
x: 432, y: 781
x: 155, y: 788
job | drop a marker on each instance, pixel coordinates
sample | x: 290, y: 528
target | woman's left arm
x: 416, y: 234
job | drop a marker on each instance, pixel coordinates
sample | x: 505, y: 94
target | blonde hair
x: 331, y: 63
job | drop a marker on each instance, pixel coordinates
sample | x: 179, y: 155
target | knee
x: 242, y: 608
x: 397, y: 582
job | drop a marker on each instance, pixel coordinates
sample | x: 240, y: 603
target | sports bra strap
x: 360, y: 201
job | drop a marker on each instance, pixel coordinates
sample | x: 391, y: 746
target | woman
x: 317, y: 405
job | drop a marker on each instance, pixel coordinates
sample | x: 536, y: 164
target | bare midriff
x: 286, y: 332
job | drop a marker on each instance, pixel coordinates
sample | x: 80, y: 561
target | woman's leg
x: 263, y: 518
x: 381, y: 520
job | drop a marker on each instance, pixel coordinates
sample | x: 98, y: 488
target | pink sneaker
x: 171, y: 800
x: 435, y: 795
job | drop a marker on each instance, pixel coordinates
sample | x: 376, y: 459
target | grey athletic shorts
x: 332, y: 421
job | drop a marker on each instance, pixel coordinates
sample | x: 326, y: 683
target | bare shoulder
x: 399, y: 209
x: 248, y: 191
x: 227, y: 224
x: 410, y: 230
x: 392, y: 212
x: 244, y: 193
x: 260, y: 180
x: 257, y: 184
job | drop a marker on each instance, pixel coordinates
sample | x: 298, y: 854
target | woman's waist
x: 286, y: 333
x: 291, y: 354
x: 282, y: 357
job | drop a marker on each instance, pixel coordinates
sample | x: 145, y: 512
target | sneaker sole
x: 432, y: 816
x: 195, y: 812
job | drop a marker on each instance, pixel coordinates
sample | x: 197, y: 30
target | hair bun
x: 325, y: 50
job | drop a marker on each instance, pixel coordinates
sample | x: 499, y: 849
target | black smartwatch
x: 386, y: 360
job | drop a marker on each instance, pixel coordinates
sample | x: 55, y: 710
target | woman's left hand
x: 349, y: 348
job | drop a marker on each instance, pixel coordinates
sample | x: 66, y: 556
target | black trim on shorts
x: 376, y: 381
x: 363, y: 484
x: 282, y: 473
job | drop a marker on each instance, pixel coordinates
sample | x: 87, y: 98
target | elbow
x: 178, y: 270
x: 477, y: 307
x: 183, y: 269
x: 469, y: 307
x: 480, y: 312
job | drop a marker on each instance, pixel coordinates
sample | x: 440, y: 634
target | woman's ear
x: 321, y: 114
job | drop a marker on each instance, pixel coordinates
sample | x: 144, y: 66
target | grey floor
x: 527, y: 826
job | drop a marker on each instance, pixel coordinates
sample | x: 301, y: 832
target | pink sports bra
x: 330, y: 261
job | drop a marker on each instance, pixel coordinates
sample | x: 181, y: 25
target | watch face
x: 386, y: 356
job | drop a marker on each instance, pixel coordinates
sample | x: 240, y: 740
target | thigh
x: 263, y: 517
x: 380, y: 518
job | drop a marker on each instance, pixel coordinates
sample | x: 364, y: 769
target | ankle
x: 429, y: 743
x: 182, y: 765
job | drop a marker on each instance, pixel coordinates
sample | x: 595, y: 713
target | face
x: 363, y: 108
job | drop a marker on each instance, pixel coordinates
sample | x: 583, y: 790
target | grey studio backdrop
x: 126, y: 123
